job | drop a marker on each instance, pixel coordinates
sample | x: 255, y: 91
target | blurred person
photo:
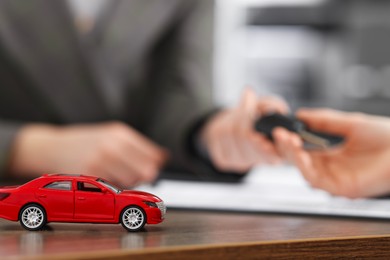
x: 119, y: 93
x: 360, y: 167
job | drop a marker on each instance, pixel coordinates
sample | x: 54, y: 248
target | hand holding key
x: 266, y: 124
x: 231, y: 141
x: 359, y: 167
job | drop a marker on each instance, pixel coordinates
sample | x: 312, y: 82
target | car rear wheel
x: 133, y: 218
x: 32, y: 217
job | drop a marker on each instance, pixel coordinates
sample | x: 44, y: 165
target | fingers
x: 317, y: 167
x: 133, y: 164
x: 253, y: 148
x: 235, y: 148
x: 139, y: 157
x: 272, y: 104
x: 230, y: 137
x: 122, y: 165
x: 253, y: 106
x: 223, y: 141
x: 144, y: 146
x: 265, y: 150
x: 235, y: 154
x: 290, y: 147
x: 248, y: 103
x: 232, y: 145
x: 253, y: 144
x: 328, y: 120
x: 119, y: 153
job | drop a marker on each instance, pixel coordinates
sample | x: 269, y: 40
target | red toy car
x: 78, y: 198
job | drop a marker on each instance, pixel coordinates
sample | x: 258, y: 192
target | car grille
x: 162, y: 208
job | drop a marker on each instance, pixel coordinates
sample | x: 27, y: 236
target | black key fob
x: 312, y: 139
x: 268, y: 123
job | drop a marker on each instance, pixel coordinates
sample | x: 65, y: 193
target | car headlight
x: 151, y: 204
x: 162, y: 208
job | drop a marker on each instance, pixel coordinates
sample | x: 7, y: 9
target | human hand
x: 358, y: 168
x: 230, y: 138
x: 112, y: 150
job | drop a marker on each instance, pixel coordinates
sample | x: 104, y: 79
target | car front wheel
x: 133, y: 218
x: 32, y: 217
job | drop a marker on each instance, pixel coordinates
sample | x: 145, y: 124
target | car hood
x: 140, y: 194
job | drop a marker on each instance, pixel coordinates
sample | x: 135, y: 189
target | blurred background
x: 332, y: 53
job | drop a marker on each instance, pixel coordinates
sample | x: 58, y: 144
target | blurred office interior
x: 332, y: 53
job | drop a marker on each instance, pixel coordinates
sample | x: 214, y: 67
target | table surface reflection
x: 180, y: 230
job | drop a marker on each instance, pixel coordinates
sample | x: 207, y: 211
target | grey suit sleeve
x: 182, y: 84
x: 8, y: 130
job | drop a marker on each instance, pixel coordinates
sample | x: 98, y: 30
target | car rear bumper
x: 9, y: 212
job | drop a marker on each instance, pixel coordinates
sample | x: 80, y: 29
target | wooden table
x: 196, y: 234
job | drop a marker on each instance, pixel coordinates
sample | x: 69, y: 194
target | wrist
x: 209, y: 127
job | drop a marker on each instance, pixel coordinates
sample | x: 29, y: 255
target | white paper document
x: 266, y: 189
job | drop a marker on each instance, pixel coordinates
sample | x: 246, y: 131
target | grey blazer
x: 154, y: 55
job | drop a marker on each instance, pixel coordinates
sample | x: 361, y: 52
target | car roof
x: 69, y: 176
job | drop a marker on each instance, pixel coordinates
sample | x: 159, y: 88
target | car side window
x: 86, y: 186
x: 59, y: 185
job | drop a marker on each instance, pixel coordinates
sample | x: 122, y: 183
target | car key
x: 312, y: 139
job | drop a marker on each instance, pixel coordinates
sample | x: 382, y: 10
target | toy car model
x: 78, y: 199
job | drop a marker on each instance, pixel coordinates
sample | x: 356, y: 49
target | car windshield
x: 109, y: 185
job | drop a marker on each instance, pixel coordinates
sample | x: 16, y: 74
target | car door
x: 91, y: 202
x: 57, y: 197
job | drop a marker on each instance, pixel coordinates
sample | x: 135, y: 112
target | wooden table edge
x: 351, y: 246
